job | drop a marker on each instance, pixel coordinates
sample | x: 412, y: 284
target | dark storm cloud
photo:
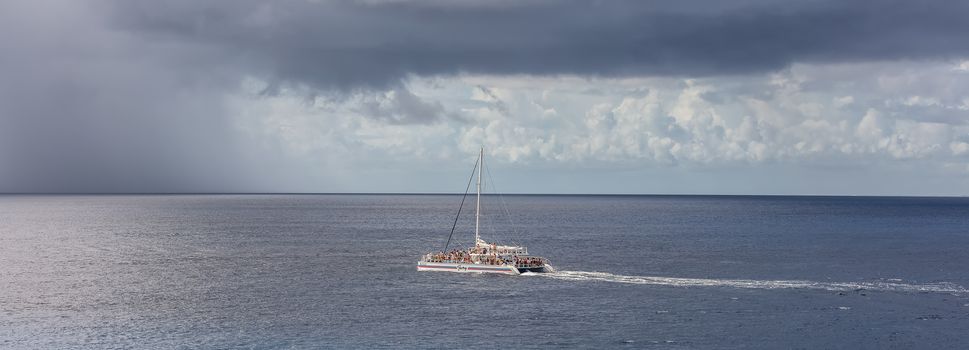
x: 373, y: 43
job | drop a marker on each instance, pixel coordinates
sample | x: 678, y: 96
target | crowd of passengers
x: 484, y: 250
x: 462, y: 256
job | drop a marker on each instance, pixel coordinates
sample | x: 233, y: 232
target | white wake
x: 892, y: 285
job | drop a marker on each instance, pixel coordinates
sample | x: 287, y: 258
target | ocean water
x: 338, y: 271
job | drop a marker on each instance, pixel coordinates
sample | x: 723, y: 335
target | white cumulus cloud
x: 807, y: 116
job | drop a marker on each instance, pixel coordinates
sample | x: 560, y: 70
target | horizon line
x: 458, y: 194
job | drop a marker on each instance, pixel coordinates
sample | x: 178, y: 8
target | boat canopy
x: 501, y: 248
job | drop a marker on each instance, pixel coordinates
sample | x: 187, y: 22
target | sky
x: 809, y: 97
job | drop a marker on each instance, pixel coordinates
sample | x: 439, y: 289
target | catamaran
x: 483, y: 257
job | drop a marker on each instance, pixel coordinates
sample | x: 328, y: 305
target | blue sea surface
x: 338, y: 271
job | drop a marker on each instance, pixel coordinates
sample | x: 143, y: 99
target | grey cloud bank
x: 87, y: 109
x: 144, y: 96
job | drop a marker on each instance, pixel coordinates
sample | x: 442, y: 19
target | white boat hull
x: 467, y: 268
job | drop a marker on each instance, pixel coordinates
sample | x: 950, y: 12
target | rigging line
x: 486, y: 220
x: 461, y: 207
x: 490, y: 225
x: 502, y: 204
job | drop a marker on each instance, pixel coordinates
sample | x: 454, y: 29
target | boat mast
x: 477, y: 209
